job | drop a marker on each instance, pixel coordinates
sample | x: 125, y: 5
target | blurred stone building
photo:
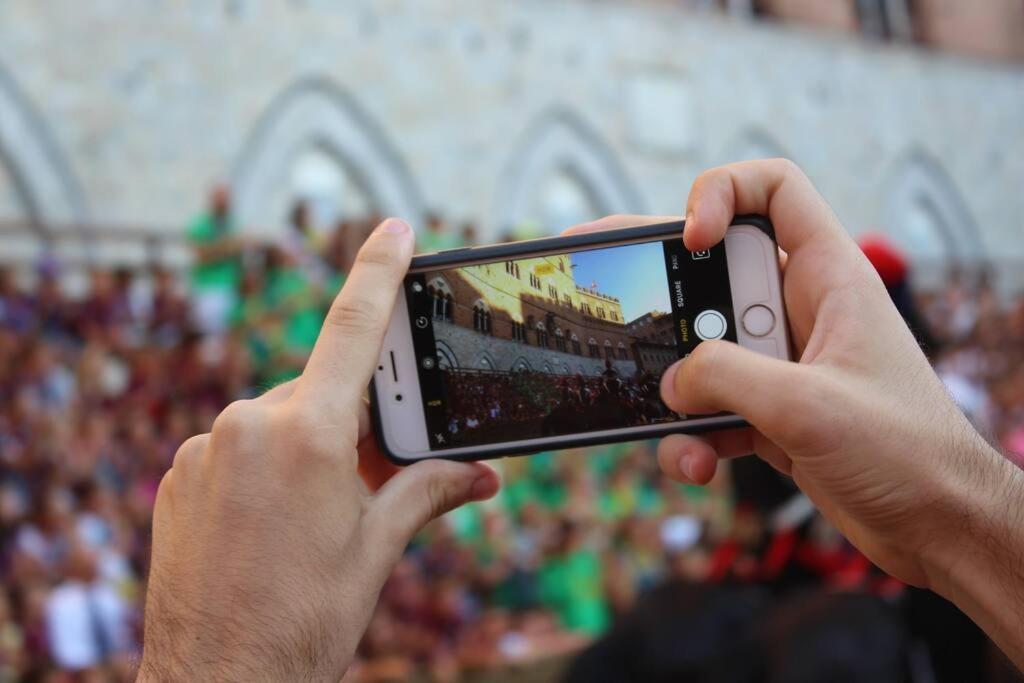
x: 116, y: 118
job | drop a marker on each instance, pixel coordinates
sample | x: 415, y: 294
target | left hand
x: 269, y: 551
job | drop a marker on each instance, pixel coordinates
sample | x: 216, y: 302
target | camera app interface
x: 561, y: 344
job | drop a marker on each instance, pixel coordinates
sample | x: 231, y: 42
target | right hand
x: 861, y: 422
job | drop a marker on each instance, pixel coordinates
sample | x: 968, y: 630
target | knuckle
x: 239, y: 424
x: 165, y: 490
x: 354, y: 315
x: 313, y: 435
x: 702, y: 179
x: 698, y: 370
x: 190, y: 451
x: 442, y: 496
x: 376, y: 253
x: 788, y: 167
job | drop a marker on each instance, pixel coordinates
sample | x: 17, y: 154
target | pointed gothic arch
x: 315, y: 113
x: 925, y: 213
x: 559, y: 141
x: 44, y: 185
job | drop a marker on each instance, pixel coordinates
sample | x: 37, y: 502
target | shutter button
x: 710, y: 324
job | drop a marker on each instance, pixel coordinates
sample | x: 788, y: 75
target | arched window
x: 609, y: 352
x: 576, y: 345
x: 446, y: 359
x: 518, y: 332
x: 623, y: 353
x: 542, y: 335
x: 559, y: 339
x: 595, y: 352
x: 547, y: 369
x: 443, y: 306
x: 482, y: 317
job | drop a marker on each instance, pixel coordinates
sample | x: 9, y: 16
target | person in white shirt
x: 87, y: 622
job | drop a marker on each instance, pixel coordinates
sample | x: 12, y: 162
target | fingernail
x: 395, y: 226
x: 685, y: 467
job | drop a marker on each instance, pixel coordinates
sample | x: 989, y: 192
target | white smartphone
x: 561, y: 342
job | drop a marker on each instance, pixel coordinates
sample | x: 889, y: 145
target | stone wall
x: 126, y: 113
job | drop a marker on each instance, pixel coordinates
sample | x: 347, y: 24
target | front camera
x: 398, y: 397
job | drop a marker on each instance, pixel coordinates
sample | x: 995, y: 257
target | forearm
x: 980, y: 567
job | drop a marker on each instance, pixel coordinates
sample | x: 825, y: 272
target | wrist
x: 190, y: 659
x: 977, y: 562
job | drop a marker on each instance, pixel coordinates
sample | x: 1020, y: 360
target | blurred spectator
x: 305, y: 246
x: 217, y: 269
x: 436, y: 237
x: 86, y: 620
x: 894, y: 270
x: 97, y: 392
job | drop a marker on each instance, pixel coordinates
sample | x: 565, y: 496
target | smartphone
x: 561, y: 342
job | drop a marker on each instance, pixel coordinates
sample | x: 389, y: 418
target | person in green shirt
x: 571, y: 582
x: 294, y: 301
x: 217, y: 269
x: 437, y: 236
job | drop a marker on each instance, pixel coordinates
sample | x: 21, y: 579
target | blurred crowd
x: 98, y: 389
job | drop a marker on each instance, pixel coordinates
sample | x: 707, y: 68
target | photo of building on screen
x: 535, y: 347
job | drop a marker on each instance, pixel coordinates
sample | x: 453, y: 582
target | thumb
x: 422, y: 492
x: 722, y: 376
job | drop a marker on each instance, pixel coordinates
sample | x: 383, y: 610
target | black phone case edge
x: 501, y: 251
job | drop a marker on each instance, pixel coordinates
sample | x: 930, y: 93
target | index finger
x: 617, y: 221
x: 776, y: 188
x: 345, y: 353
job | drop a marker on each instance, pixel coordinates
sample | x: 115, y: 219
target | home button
x: 758, y: 320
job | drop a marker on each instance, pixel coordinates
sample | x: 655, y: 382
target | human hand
x: 862, y: 423
x: 269, y: 551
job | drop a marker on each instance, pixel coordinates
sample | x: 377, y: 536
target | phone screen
x: 563, y: 343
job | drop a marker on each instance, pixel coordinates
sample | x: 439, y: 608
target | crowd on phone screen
x: 484, y: 406
x: 98, y: 389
